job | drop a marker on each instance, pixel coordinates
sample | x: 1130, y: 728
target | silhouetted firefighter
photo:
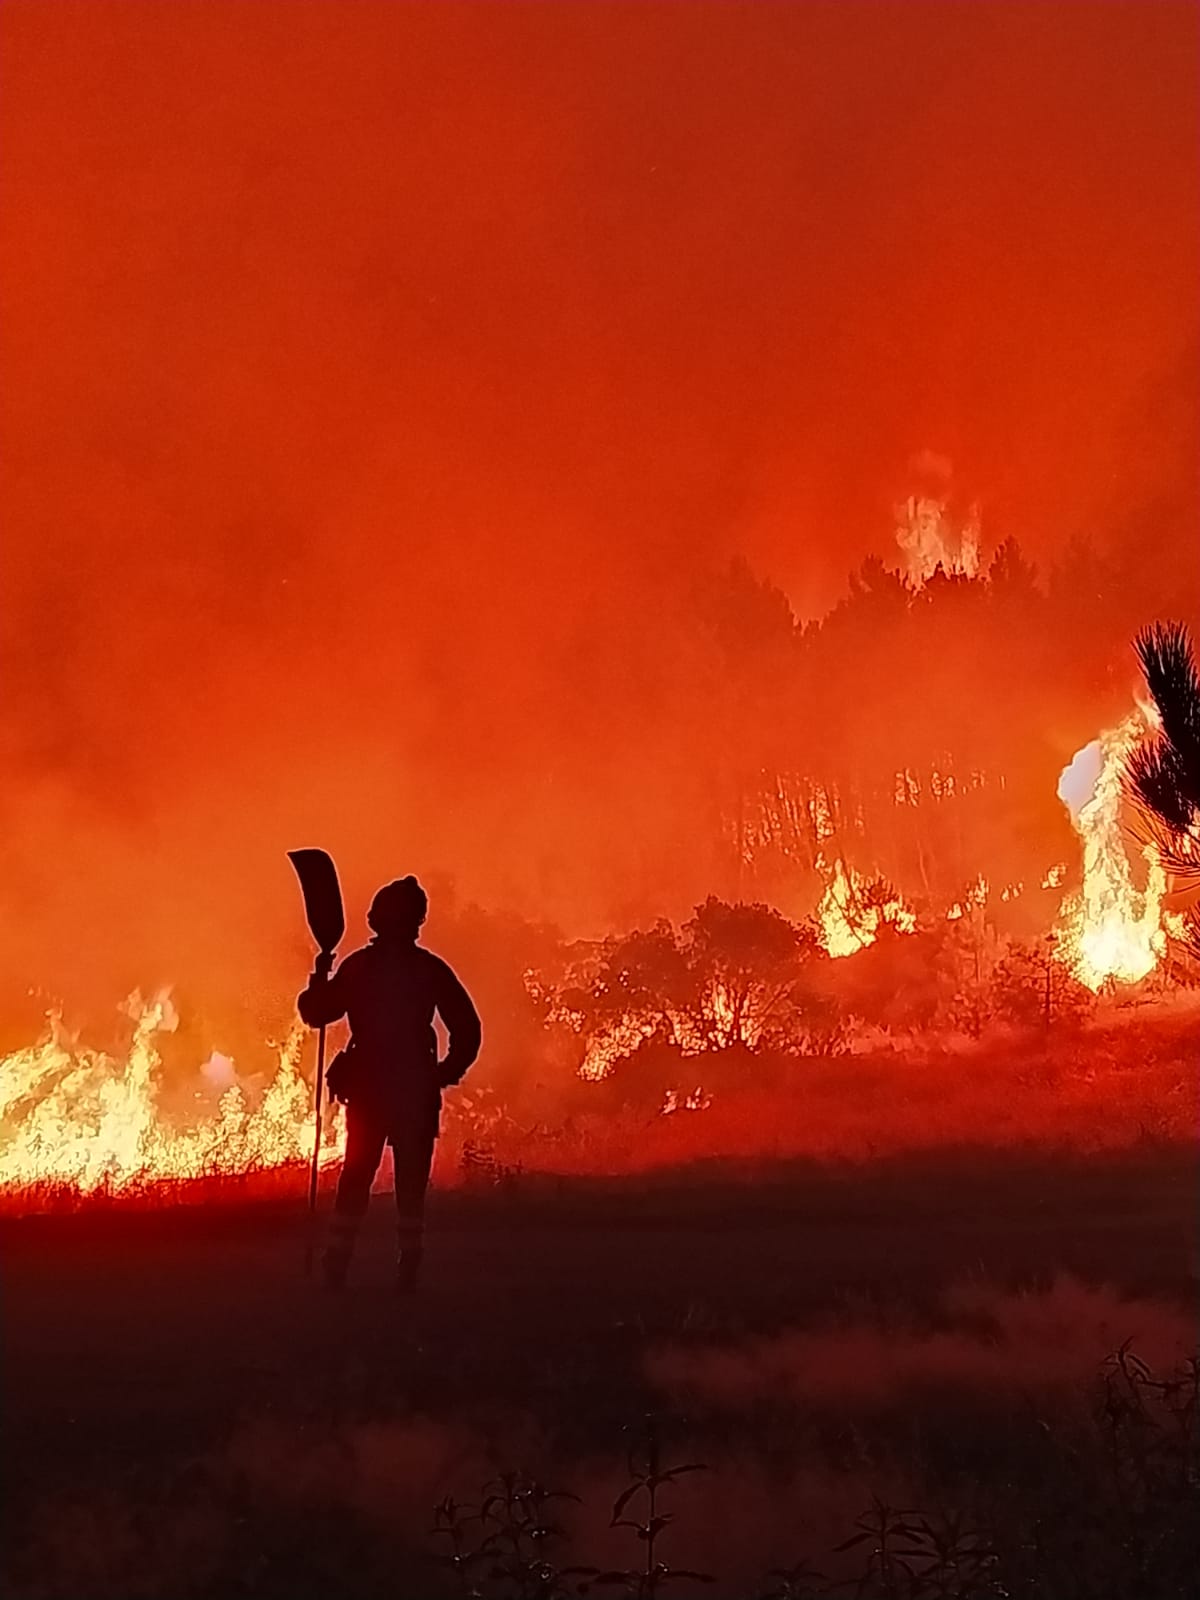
x: 389, y: 1076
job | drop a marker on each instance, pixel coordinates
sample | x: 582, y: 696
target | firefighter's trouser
x: 412, y: 1140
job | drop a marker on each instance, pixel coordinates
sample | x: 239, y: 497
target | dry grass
x: 981, y: 1345
x: 1107, y: 1088
x: 1127, y: 1080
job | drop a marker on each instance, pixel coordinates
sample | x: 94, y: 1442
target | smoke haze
x: 384, y: 383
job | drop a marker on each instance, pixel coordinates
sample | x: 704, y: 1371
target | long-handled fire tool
x: 327, y: 922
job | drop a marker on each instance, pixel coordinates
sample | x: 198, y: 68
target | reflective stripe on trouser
x: 410, y: 1231
x: 340, y: 1241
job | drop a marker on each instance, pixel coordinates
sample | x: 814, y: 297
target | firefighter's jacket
x: 389, y: 992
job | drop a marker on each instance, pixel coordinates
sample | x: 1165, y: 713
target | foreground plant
x: 1114, y: 1515
x: 503, y: 1547
x: 648, y: 1475
x: 910, y: 1556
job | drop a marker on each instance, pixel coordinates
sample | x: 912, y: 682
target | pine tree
x: 1163, y: 773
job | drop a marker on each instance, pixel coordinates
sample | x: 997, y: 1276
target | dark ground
x: 134, y: 1341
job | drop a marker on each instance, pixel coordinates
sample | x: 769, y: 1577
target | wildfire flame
x: 81, y: 1118
x: 1108, y: 928
x: 976, y: 895
x: 850, y: 918
x: 928, y: 539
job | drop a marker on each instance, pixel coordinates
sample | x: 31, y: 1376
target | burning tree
x: 1163, y: 773
x: 1111, y: 930
x: 749, y: 968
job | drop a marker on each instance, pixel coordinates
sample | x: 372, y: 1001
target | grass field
x: 186, y: 1415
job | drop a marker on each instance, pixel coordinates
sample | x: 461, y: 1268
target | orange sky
x: 393, y: 357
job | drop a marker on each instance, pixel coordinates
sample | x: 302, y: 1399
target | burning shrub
x: 908, y: 982
x: 734, y: 975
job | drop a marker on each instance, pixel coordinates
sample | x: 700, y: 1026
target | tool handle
x: 316, y: 1154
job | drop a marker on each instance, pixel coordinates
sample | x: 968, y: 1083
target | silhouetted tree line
x: 916, y: 733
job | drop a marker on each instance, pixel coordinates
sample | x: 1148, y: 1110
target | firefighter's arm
x: 324, y: 999
x: 458, y: 1013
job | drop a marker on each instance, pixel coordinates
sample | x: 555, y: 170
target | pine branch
x: 1156, y: 780
x: 1169, y: 664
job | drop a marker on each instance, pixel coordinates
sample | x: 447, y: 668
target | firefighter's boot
x: 409, y: 1234
x: 339, y: 1250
